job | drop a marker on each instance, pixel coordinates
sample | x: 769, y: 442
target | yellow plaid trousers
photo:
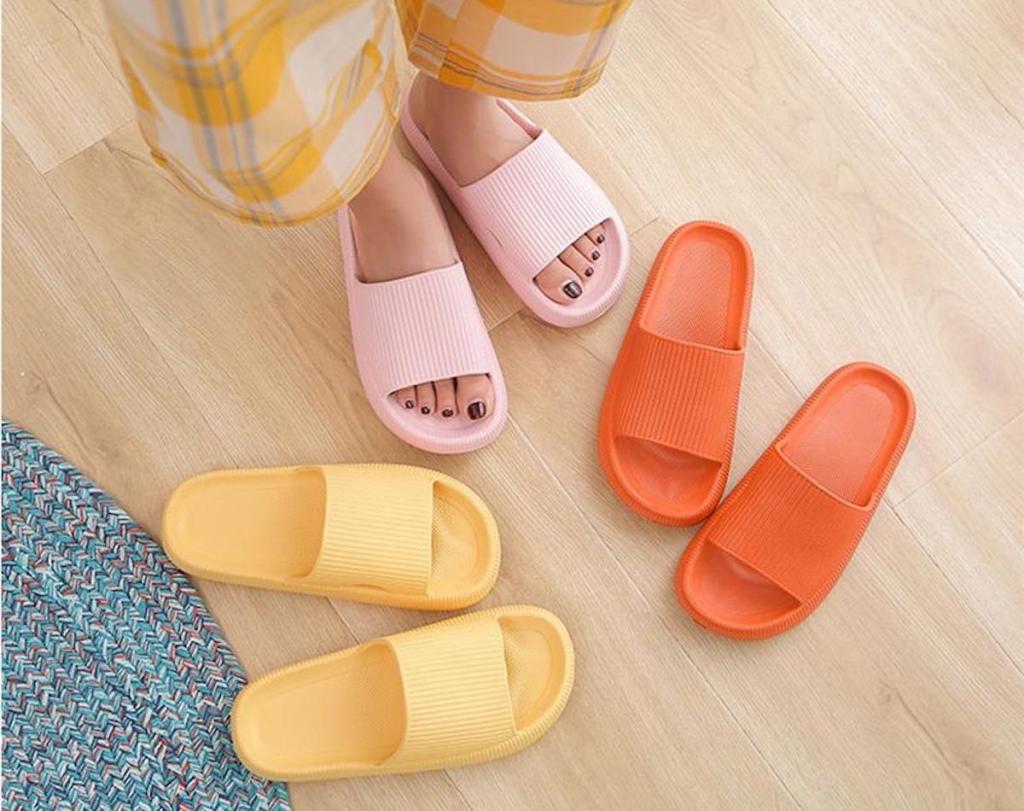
x: 278, y: 111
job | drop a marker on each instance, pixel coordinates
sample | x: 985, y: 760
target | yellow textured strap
x: 455, y: 683
x: 378, y: 528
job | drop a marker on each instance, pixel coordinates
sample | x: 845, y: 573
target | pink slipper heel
x: 529, y: 210
x: 414, y: 330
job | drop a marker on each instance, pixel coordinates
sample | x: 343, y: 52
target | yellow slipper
x: 465, y: 690
x: 391, y: 534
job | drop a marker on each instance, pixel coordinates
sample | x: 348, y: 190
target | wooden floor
x: 873, y: 153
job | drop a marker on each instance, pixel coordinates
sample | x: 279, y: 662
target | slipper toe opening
x: 537, y: 658
x: 729, y: 593
x: 341, y: 710
x: 464, y: 545
x: 231, y: 523
x: 436, y: 433
x: 675, y: 484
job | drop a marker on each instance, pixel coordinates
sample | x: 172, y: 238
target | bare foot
x: 400, y: 230
x: 473, y: 136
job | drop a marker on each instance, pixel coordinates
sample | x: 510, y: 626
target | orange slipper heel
x: 669, y: 413
x: 778, y: 544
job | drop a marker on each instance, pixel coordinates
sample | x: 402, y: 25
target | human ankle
x: 445, y: 99
x: 394, y: 174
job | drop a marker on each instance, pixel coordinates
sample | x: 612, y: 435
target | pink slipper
x: 529, y: 210
x: 414, y: 330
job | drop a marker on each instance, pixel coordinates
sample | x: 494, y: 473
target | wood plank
x: 970, y: 519
x: 947, y: 92
x: 63, y: 89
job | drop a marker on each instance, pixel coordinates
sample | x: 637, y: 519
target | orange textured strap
x: 680, y: 395
x: 783, y: 525
x: 455, y: 683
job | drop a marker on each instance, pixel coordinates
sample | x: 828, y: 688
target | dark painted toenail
x: 600, y: 239
x: 425, y: 410
x: 477, y: 410
x: 572, y: 289
x: 447, y: 412
x: 409, y: 403
x: 588, y: 272
x: 595, y: 255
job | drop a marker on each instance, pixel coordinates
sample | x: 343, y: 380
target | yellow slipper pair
x: 469, y: 689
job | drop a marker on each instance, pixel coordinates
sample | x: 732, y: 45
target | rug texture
x: 117, y: 683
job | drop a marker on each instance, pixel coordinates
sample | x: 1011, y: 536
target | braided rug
x: 117, y: 684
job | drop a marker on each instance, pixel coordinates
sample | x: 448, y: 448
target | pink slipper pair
x: 524, y: 213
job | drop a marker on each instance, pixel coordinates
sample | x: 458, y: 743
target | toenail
x: 595, y: 255
x: 477, y: 409
x: 425, y: 410
x: 447, y: 412
x: 409, y: 403
x: 588, y: 272
x: 572, y: 289
x: 600, y: 239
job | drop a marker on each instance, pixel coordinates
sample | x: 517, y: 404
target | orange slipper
x: 774, y: 549
x: 669, y: 412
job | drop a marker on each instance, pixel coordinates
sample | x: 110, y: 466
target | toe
x: 587, y: 248
x: 425, y: 398
x: 597, y: 234
x: 444, y: 390
x: 475, y: 396
x: 406, y: 397
x: 559, y: 282
x: 579, y: 263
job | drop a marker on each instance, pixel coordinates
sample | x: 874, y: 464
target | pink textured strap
x: 534, y: 205
x: 680, y: 395
x: 783, y: 525
x: 417, y: 329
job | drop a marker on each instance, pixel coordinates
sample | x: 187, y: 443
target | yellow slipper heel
x: 469, y: 689
x: 390, y: 534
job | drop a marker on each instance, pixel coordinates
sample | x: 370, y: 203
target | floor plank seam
x: 128, y: 308
x: 661, y: 620
x: 1007, y: 279
x: 68, y: 158
x: 966, y: 606
x: 960, y: 458
x: 512, y: 314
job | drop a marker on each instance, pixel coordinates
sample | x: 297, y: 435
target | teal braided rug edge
x: 117, y: 683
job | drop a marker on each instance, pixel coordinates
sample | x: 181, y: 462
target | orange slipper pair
x: 775, y: 547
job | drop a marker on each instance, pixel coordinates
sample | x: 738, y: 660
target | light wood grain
x: 62, y: 87
x: 978, y: 548
x: 869, y: 155
x: 947, y: 93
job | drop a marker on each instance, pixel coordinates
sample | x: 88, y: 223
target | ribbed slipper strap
x: 457, y: 698
x: 812, y: 532
x: 533, y: 206
x: 377, y: 530
x: 679, y: 395
x: 418, y: 329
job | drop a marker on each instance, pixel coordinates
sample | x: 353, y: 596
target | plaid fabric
x: 516, y: 49
x: 278, y: 111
